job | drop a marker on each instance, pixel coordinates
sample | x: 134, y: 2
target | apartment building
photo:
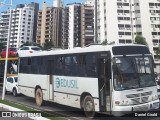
x: 22, y: 24
x: 4, y: 25
x: 58, y: 3
x: 120, y: 21
x: 146, y: 20
x: 49, y: 25
x: 79, y: 25
x: 87, y: 25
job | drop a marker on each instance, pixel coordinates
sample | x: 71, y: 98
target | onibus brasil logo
x: 66, y: 83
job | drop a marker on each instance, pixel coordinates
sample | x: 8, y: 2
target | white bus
x: 98, y: 78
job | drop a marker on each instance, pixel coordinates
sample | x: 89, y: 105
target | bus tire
x: 88, y: 106
x: 39, y: 96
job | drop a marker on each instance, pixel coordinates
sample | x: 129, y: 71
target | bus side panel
x: 68, y: 90
x: 28, y: 82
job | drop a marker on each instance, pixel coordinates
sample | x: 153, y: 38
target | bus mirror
x: 158, y: 82
x: 154, y: 65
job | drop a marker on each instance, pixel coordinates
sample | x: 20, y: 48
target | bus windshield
x: 130, y: 72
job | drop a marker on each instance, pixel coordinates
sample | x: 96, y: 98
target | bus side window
x: 82, y: 59
x: 75, y: 60
x: 82, y: 65
x: 91, y: 67
x: 59, y: 63
x: 68, y: 65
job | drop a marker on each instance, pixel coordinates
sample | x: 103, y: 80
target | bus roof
x: 92, y: 48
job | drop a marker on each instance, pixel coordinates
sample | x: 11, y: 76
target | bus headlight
x: 117, y: 102
x: 155, y: 97
x: 123, y: 102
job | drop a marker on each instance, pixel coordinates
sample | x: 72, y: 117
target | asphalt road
x: 68, y: 113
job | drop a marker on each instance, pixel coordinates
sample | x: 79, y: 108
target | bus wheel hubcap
x: 89, y: 106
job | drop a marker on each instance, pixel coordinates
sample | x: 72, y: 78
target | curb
x: 16, y: 109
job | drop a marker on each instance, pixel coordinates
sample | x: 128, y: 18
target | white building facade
x: 4, y: 25
x: 120, y: 21
x: 58, y: 3
x: 79, y: 25
x: 22, y: 24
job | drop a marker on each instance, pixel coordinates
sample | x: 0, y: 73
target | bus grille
x: 139, y: 98
x: 135, y: 101
x: 146, y: 93
x: 132, y: 95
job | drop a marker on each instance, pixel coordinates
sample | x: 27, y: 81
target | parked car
x: 12, y: 85
x: 28, y: 49
x: 11, y: 52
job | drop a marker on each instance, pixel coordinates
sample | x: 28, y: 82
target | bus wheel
x: 88, y: 106
x: 39, y: 97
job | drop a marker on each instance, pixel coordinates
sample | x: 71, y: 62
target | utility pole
x: 6, y: 61
x: 95, y: 13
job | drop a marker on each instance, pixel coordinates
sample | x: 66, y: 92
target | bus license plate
x: 141, y: 108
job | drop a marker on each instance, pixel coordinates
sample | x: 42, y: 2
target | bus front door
x: 104, y: 84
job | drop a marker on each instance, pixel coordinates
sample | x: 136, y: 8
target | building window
x: 151, y: 4
x: 154, y: 33
x: 122, y: 41
x: 155, y: 41
x: 119, y: 11
x: 128, y: 41
x: 125, y: 4
x: 137, y: 11
x: 126, y: 18
x: 127, y: 33
x: 136, y: 4
x: 152, y: 11
x: 119, y: 4
x: 120, y: 33
x: 139, y: 33
x: 138, y: 26
x: 126, y: 11
x: 120, y: 25
x: 127, y: 25
x: 120, y: 18
x: 152, y: 18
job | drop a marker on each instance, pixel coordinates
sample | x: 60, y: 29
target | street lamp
x: 6, y: 61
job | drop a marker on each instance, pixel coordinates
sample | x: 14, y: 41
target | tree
x: 27, y: 44
x: 140, y: 40
x: 104, y: 42
x: 30, y: 44
x: 47, y: 45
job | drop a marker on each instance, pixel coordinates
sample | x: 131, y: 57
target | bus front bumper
x: 122, y: 110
